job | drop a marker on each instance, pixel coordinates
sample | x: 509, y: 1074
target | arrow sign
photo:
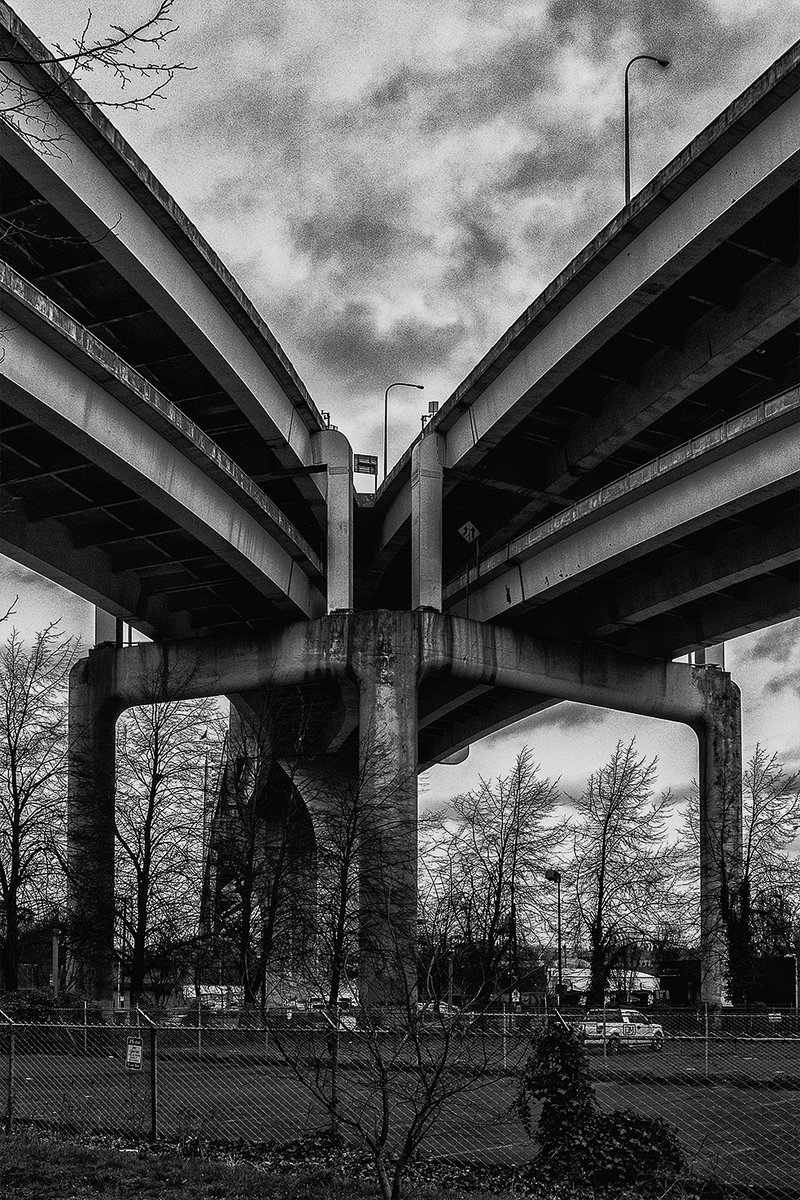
x: 469, y: 532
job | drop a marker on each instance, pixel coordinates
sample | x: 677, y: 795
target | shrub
x: 624, y: 1147
x: 38, y: 1006
x: 577, y: 1141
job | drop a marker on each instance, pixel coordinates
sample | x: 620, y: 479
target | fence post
x: 153, y: 1073
x: 85, y: 1025
x: 153, y: 1082
x: 505, y: 1034
x: 604, y: 1028
x: 705, y: 1007
x: 11, y: 1080
x: 11, y: 1072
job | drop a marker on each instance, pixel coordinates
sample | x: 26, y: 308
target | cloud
x: 778, y: 643
x: 784, y: 681
x: 352, y: 347
x: 567, y: 718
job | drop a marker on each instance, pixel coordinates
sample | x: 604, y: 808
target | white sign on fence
x: 133, y: 1054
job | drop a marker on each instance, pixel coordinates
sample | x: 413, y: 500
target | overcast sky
x: 392, y: 183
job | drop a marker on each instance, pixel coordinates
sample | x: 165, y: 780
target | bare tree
x: 161, y: 796
x: 622, y: 864
x: 127, y: 56
x: 482, y: 874
x: 33, y: 749
x: 759, y: 908
x: 406, y: 1061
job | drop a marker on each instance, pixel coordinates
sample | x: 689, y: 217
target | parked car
x: 441, y: 1013
x: 619, y: 1027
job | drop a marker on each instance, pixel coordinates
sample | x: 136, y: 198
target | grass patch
x: 34, y: 1167
x: 37, y: 1167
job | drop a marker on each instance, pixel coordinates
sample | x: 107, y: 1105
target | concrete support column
x: 333, y: 449
x: 720, y: 737
x: 385, y: 657
x: 427, y: 474
x: 90, y: 835
x: 710, y: 656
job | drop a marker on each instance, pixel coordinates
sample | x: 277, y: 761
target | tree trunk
x: 10, y: 955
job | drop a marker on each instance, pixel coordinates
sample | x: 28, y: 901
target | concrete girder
x: 695, y: 490
x: 443, y: 697
x: 753, y: 172
x: 501, y: 708
x: 54, y: 394
x: 764, y: 601
x: 734, y: 558
x: 45, y: 319
x: 715, y: 343
x: 47, y: 547
x: 114, y: 201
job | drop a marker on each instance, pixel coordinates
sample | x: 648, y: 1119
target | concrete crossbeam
x: 388, y: 654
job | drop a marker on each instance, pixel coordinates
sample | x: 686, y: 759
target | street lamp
x: 55, y: 963
x: 420, y: 387
x: 662, y: 62
x: 555, y: 877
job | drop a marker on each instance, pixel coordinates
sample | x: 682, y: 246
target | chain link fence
x: 729, y: 1082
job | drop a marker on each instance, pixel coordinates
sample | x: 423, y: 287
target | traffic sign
x: 469, y: 532
x: 133, y: 1054
x: 365, y: 464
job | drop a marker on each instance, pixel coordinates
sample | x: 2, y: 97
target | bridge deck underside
x: 41, y: 245
x: 720, y: 340
x: 54, y: 497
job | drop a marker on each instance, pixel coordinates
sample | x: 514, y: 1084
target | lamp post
x: 662, y: 62
x: 555, y: 877
x: 55, y: 963
x: 420, y: 387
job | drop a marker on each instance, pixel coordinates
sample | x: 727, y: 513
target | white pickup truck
x: 619, y: 1027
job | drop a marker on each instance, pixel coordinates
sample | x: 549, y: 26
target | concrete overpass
x: 146, y: 344
x: 628, y: 452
